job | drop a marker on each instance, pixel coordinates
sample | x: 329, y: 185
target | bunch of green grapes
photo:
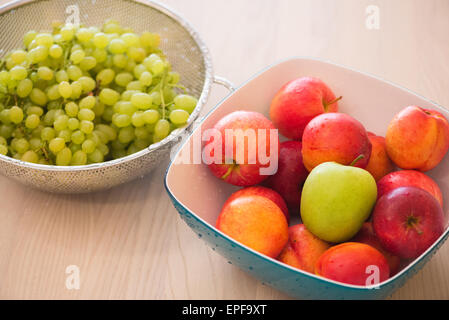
x: 82, y: 95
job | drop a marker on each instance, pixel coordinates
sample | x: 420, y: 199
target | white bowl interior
x: 372, y: 101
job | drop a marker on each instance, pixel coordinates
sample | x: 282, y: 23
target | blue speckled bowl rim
x: 430, y: 251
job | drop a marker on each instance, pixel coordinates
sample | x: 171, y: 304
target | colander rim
x: 208, y: 80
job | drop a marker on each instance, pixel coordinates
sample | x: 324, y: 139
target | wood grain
x: 129, y: 242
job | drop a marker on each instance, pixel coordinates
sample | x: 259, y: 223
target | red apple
x: 298, y: 102
x: 291, y: 173
x: 335, y: 137
x: 366, y: 235
x: 417, y: 138
x: 264, y: 192
x: 408, y: 178
x: 239, y: 162
x: 407, y: 221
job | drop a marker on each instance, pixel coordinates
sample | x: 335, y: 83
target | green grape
x: 24, y: 88
x: 18, y: 56
x: 36, y: 144
x: 87, y: 83
x: 64, y: 157
x: 61, y: 122
x: 121, y: 120
x: 100, y: 40
x: 32, y: 121
x: 146, y: 78
x: 126, y: 95
x: 45, y: 73
x: 87, y: 102
x: 29, y: 36
x: 3, y: 150
x: 3, y: 141
x: 154, y: 64
x: 74, y: 73
x: 86, y: 126
x: 20, y: 145
x: 185, y: 102
x: 122, y: 79
x: 136, y: 54
x: 55, y: 51
x: 105, y: 77
x: 77, y: 89
x: 30, y: 156
x: 141, y: 100
x: 120, y: 60
x: 88, y: 146
x: 161, y: 130
x: 66, y: 134
x: 16, y: 114
x: 44, y: 39
x: 86, y: 114
x: 18, y: 73
x: 108, y: 131
x: 73, y: 124
x: 109, y: 97
x: 96, y: 156
x: 137, y: 119
x: 139, y: 69
x: 61, y: 76
x: 56, y: 144
x: 71, y: 108
x: 77, y: 56
x: 84, y: 35
x: 88, y: 63
x: 126, y: 107
x: 67, y: 32
x: 48, y: 134
x: 38, y: 54
x: 134, y: 85
x: 117, y: 46
x: 130, y: 39
x: 148, y: 39
x: 179, y: 116
x: 79, y: 158
x: 6, y: 130
x: 78, y: 137
x: 100, y: 55
x: 35, y: 110
x: 126, y: 135
x: 65, y: 90
x: 53, y: 92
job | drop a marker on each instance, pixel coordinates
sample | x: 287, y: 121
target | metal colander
x: 182, y: 45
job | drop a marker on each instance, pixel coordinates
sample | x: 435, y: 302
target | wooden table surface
x: 129, y: 242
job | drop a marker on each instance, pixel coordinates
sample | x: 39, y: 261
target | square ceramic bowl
x: 199, y: 196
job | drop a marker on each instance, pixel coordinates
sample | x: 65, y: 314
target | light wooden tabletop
x: 129, y: 242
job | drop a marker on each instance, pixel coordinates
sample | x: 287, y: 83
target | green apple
x: 336, y: 200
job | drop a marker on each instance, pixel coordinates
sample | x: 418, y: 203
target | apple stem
x: 327, y: 104
x: 360, y: 157
x: 227, y: 174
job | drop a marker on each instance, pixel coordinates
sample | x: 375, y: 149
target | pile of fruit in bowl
x: 80, y: 95
x: 342, y: 203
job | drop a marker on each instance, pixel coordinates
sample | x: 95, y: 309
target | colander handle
x: 225, y: 83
